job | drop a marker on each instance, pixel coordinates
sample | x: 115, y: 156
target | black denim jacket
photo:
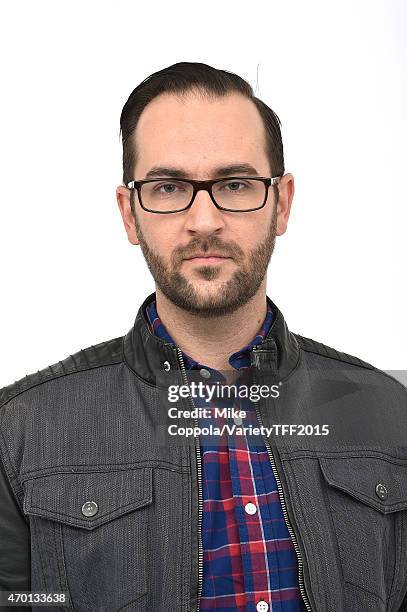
x: 99, y: 502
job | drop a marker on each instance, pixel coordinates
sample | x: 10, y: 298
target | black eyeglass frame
x: 206, y: 186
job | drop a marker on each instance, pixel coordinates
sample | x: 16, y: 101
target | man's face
x: 197, y: 136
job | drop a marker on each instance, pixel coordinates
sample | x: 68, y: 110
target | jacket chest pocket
x: 89, y: 535
x: 368, y: 505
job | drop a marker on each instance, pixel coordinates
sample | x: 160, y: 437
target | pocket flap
x: 378, y: 482
x: 88, y: 499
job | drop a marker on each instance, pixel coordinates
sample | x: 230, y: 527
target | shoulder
x: 338, y: 359
x: 95, y: 356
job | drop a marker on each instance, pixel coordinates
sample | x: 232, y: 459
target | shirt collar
x: 238, y: 360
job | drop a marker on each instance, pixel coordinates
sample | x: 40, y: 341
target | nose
x: 203, y: 217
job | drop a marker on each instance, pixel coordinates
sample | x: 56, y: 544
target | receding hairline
x: 194, y: 91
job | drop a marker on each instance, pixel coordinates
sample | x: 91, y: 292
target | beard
x: 218, y: 298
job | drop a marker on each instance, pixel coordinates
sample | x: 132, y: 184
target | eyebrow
x: 230, y: 170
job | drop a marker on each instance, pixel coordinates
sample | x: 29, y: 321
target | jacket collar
x: 153, y: 359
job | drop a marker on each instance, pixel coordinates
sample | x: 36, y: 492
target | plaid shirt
x: 248, y: 554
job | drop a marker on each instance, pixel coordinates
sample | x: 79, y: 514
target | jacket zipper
x: 285, y: 514
x: 280, y: 493
x: 200, y: 501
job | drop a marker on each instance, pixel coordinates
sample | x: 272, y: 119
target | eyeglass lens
x: 172, y: 195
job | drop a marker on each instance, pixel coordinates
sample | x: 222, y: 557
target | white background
x: 334, y: 72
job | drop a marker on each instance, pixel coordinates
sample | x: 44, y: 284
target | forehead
x: 199, y: 133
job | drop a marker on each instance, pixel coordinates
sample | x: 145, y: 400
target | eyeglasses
x: 234, y: 194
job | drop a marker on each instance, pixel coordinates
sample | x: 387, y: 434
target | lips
x: 208, y: 256
x: 208, y: 260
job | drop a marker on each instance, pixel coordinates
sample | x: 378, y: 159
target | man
x: 107, y: 496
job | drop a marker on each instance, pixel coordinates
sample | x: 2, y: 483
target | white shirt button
x: 262, y: 606
x: 205, y: 373
x: 250, y: 508
x: 238, y: 420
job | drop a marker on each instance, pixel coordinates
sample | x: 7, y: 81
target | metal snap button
x: 167, y: 366
x: 205, y: 373
x: 90, y: 508
x: 381, y: 491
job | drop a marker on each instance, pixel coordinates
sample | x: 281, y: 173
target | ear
x: 123, y: 201
x: 286, y: 194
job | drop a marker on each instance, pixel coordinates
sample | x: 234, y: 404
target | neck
x: 211, y: 341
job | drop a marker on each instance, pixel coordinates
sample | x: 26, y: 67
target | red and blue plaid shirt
x: 248, y: 554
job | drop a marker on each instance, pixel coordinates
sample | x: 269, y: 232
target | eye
x: 172, y: 187
x: 236, y: 184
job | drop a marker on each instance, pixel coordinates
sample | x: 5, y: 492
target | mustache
x: 213, y: 245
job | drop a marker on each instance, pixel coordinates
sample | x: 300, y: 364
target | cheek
x: 161, y: 238
x: 254, y: 230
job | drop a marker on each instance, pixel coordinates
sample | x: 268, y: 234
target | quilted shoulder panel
x: 94, y: 356
x: 312, y: 346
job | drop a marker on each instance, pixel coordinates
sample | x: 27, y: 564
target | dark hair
x: 185, y: 77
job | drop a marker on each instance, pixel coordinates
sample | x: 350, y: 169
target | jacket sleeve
x: 15, y: 572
